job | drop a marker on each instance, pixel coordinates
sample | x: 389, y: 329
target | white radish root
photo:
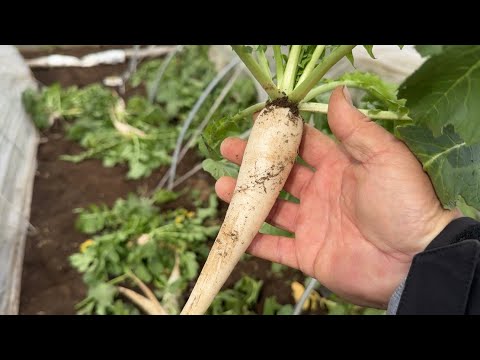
x: 268, y: 159
x: 149, y: 307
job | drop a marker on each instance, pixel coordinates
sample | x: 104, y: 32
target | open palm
x: 364, y: 212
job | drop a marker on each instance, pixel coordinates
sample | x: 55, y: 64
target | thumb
x: 360, y: 136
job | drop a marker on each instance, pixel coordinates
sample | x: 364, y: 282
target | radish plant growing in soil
x: 135, y: 132
x: 435, y: 112
x: 141, y: 255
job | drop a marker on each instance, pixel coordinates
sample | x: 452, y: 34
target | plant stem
x: 249, y: 111
x: 379, y: 115
x: 316, y: 75
x: 118, y: 279
x: 328, y: 87
x: 277, y: 52
x: 311, y: 65
x: 291, y: 69
x: 147, y: 292
x: 262, y: 59
x: 257, y: 72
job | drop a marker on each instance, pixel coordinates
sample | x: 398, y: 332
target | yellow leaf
x: 313, y: 301
x: 85, y: 245
x: 179, y: 219
x: 297, y: 292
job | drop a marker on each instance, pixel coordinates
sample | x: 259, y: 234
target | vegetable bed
x: 50, y: 285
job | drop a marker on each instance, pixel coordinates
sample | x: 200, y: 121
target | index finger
x: 315, y: 145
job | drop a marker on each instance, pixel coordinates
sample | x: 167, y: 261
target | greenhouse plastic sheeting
x: 18, y: 146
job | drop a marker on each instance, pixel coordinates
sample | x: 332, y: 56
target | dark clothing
x: 445, y: 278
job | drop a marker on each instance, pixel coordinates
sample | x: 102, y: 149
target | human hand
x: 364, y: 213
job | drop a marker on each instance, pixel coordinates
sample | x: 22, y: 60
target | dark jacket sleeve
x: 445, y: 278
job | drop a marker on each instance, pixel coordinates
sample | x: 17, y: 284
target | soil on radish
x: 284, y: 102
x: 49, y: 284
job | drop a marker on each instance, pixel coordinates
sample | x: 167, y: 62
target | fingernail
x: 347, y: 95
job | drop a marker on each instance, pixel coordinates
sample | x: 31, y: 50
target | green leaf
x: 452, y: 164
x: 103, y: 294
x: 237, y: 301
x: 189, y: 265
x: 142, y: 272
x: 369, y: 49
x: 272, y: 307
x: 220, y: 168
x: 379, y: 89
x: 81, y: 261
x: 444, y: 91
x: 277, y: 268
x: 429, y: 50
x: 370, y: 311
x: 305, y: 57
x: 163, y: 196
x: 215, y: 132
x: 272, y: 230
x: 468, y: 210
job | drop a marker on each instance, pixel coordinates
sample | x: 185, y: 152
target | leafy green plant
x: 242, y: 299
x: 136, y: 242
x: 136, y: 134
x: 334, y: 305
x: 272, y: 307
x: 185, y: 78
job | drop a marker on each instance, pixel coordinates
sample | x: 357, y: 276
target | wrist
x: 435, y: 226
x: 456, y: 230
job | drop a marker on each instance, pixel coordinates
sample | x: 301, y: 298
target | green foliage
x: 136, y: 235
x: 369, y: 49
x: 240, y: 300
x: 305, y: 57
x: 429, y: 50
x: 447, y: 159
x: 381, y: 95
x: 277, y: 268
x: 217, y: 131
x: 220, y: 168
x: 136, y: 134
x: 139, y: 134
x: 272, y: 307
x: 468, y: 210
x: 444, y: 91
x: 337, y: 306
x: 184, y: 80
x: 273, y: 230
x: 52, y: 103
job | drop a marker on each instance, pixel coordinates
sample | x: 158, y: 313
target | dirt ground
x: 49, y: 284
